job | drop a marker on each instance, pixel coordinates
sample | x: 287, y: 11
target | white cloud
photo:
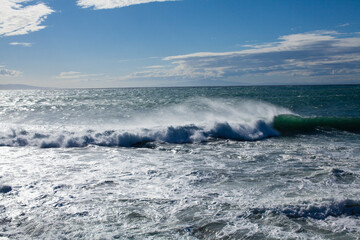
x: 19, y: 17
x: 24, y: 44
x: 8, y: 73
x: 76, y: 75
x: 108, y: 4
x: 321, y: 53
x: 155, y: 67
x: 294, y: 42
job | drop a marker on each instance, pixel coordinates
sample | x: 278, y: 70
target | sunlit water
x: 178, y: 163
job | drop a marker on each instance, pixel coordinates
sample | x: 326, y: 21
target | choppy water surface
x: 180, y: 163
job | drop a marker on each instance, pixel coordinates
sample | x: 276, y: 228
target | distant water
x: 181, y: 163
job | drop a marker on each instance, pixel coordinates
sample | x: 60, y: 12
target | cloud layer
x: 307, y: 54
x: 107, y: 4
x: 18, y: 17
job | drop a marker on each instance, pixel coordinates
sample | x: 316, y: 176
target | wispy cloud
x: 76, y: 75
x: 24, y: 44
x: 320, y: 53
x: 8, y: 73
x: 155, y: 67
x: 108, y: 4
x: 19, y: 17
x: 344, y: 25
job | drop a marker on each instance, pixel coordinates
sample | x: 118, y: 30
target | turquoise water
x: 181, y: 163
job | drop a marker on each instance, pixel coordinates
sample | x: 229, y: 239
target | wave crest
x: 112, y: 138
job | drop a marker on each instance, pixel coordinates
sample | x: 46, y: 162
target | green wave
x: 291, y: 124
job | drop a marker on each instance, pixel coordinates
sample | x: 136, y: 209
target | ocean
x: 267, y: 162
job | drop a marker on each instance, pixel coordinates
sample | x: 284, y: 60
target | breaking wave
x: 193, y: 121
x: 258, y: 130
x: 112, y: 138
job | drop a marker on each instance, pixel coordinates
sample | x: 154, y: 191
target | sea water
x: 180, y: 163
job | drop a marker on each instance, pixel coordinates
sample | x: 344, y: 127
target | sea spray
x: 194, y: 120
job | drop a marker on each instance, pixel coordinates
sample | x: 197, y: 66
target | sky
x: 150, y: 43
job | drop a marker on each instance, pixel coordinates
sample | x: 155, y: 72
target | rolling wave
x: 282, y: 125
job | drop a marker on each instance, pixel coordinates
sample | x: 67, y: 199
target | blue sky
x: 140, y: 43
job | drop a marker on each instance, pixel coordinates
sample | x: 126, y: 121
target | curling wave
x: 290, y: 124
